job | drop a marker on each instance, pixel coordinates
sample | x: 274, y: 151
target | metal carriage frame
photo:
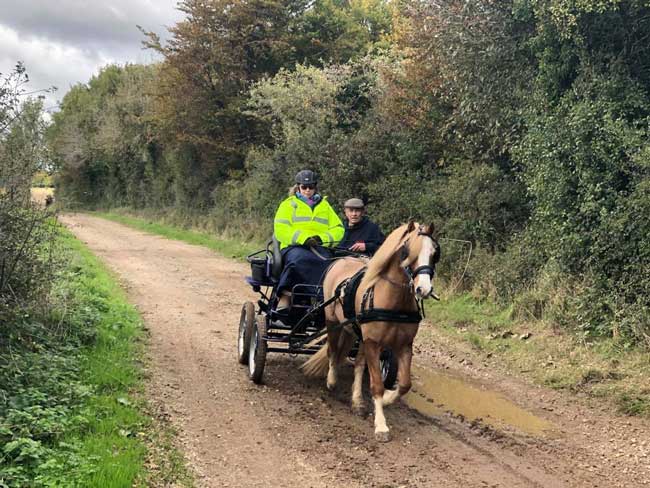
x: 262, y: 330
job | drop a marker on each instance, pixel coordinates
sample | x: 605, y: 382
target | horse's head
x: 419, y: 255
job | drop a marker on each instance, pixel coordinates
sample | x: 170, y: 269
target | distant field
x: 40, y: 194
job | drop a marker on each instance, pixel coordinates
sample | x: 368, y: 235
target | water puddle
x: 435, y: 392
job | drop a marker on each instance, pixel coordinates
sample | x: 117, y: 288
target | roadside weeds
x: 76, y: 412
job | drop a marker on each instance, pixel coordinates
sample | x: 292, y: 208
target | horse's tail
x: 318, y: 365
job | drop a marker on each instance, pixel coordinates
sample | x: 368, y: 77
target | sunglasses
x: 307, y: 187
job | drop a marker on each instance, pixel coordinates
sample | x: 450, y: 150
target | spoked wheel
x: 246, y: 325
x: 257, y: 351
x: 388, y: 366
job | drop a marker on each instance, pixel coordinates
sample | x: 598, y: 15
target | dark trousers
x: 303, y: 266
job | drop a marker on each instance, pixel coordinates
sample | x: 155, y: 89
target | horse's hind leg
x: 372, y: 351
x: 343, y: 347
x: 333, y: 336
x: 358, y: 405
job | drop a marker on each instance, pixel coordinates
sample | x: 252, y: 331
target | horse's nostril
x: 418, y: 290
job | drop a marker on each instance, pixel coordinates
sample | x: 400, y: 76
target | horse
x: 386, y: 315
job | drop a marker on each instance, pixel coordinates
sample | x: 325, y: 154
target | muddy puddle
x: 435, y: 393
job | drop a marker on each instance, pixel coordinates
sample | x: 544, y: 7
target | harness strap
x: 386, y: 315
x: 368, y: 312
x: 350, y: 288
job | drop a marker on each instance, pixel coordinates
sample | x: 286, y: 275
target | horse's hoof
x: 360, y: 410
x: 382, y: 436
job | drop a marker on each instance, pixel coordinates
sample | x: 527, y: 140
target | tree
x: 24, y: 230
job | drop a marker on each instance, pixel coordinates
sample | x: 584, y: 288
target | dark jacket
x: 365, y: 231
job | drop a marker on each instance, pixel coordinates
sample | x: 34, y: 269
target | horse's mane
x: 380, y: 261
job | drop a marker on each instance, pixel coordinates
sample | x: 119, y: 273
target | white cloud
x: 66, y: 42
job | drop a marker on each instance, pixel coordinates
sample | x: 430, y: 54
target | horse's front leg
x: 358, y: 404
x: 372, y: 351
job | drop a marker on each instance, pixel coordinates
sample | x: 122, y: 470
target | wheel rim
x: 385, y: 369
x: 240, y: 340
x: 252, y: 352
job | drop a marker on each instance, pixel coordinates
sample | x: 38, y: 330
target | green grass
x: 72, y: 411
x: 232, y: 248
x: 464, y: 310
x: 109, y: 365
x: 604, y: 369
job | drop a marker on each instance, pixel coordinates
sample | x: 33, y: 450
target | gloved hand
x: 313, y: 241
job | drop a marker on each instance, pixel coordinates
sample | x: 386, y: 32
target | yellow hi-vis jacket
x: 295, y: 222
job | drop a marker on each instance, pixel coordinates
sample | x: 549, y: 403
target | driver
x: 306, y: 227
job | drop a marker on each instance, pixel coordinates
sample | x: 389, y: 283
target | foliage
x: 26, y: 258
x: 67, y: 338
x: 170, y: 134
x: 25, y: 231
x: 584, y: 160
x: 22, y: 151
x: 42, y: 179
x: 517, y: 125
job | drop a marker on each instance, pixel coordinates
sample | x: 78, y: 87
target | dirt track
x: 292, y: 432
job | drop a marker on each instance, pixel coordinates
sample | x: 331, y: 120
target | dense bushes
x: 26, y: 258
x: 519, y: 125
x: 26, y: 233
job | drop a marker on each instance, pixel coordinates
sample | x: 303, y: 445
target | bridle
x: 423, y: 269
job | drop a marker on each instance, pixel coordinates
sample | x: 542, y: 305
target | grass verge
x: 602, y: 369
x: 71, y: 408
x: 605, y: 370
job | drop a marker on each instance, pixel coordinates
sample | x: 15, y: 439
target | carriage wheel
x: 257, y: 351
x: 388, y: 366
x: 246, y: 324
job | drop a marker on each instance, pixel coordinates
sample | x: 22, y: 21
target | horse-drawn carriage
x: 369, y: 310
x: 300, y: 331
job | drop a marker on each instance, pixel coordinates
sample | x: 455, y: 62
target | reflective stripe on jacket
x: 295, y: 222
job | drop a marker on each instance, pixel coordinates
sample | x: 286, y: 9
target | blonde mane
x: 380, y: 261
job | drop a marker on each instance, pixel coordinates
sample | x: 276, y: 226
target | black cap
x: 306, y: 177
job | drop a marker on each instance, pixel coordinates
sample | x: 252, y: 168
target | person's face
x: 308, y: 190
x: 354, y: 215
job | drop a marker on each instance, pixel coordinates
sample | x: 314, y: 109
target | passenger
x: 361, y: 234
x: 303, y: 221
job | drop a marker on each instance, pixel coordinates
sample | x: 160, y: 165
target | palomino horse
x: 396, y: 277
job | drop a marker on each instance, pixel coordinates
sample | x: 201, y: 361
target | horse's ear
x: 431, y: 228
x: 411, y: 226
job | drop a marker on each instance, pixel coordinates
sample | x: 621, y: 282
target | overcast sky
x: 63, y: 42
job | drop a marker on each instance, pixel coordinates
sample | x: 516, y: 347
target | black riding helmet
x: 306, y: 177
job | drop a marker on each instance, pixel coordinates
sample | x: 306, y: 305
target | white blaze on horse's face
x: 422, y: 282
